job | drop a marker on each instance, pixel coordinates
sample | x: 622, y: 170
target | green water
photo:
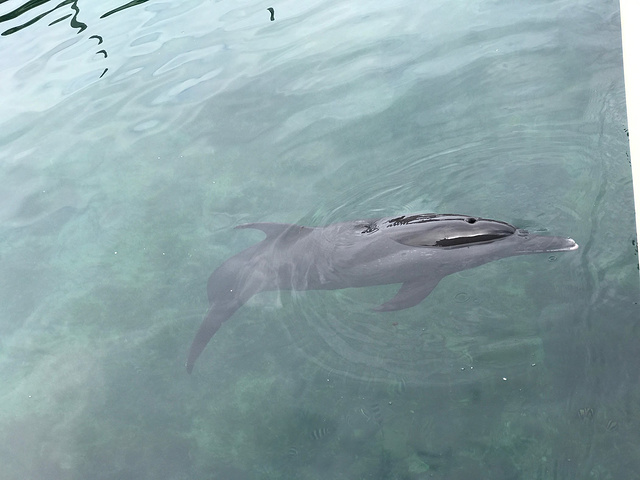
x: 132, y: 142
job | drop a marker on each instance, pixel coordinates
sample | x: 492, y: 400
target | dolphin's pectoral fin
x: 410, y: 294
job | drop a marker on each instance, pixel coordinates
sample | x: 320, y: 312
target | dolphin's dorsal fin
x: 410, y: 294
x: 277, y: 229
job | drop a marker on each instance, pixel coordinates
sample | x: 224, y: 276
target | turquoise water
x: 133, y: 140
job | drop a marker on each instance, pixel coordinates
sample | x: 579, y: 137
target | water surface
x: 133, y: 140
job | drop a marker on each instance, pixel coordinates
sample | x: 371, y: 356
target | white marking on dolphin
x: 414, y: 250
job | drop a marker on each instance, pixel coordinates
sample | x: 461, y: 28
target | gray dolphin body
x: 415, y: 250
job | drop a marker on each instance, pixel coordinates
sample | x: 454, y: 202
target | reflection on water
x: 133, y: 3
x: 31, y: 12
x: 26, y: 9
x: 31, y: 9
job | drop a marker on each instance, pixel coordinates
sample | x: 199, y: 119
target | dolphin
x: 416, y: 251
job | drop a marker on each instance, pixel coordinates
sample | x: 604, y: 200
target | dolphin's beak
x: 542, y: 244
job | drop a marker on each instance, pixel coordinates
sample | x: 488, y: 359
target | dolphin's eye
x: 470, y: 220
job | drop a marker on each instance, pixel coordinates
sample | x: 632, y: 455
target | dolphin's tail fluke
x: 210, y: 325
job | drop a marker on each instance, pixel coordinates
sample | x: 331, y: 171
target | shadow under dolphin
x: 414, y: 250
